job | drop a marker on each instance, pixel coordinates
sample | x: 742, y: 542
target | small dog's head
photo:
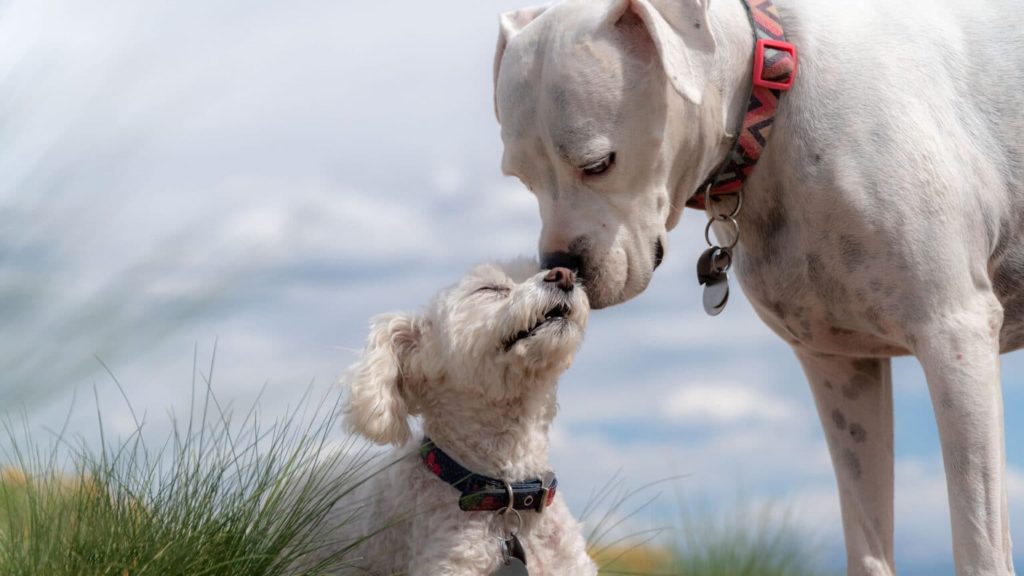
x: 495, y: 334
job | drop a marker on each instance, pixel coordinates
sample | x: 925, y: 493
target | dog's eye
x: 599, y: 167
x: 494, y: 288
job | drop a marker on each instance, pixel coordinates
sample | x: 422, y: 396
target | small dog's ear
x: 682, y: 35
x: 510, y: 25
x: 382, y: 383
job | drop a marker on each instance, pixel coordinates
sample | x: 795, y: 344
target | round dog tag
x: 716, y: 295
x: 515, y: 567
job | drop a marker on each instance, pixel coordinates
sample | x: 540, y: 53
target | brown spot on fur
x: 839, y: 419
x: 769, y: 228
x: 852, y: 252
x: 858, y: 433
x: 868, y: 367
x: 857, y: 386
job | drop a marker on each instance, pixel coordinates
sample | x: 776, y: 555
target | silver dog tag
x: 716, y: 295
x: 711, y: 273
x: 515, y: 567
x: 513, y: 559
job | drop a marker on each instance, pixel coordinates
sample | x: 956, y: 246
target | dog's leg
x: 854, y: 401
x: 960, y: 355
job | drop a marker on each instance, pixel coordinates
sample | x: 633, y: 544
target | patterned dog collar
x: 480, y: 493
x: 774, y: 71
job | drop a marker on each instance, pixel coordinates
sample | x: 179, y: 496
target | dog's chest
x: 832, y: 276
x: 820, y: 286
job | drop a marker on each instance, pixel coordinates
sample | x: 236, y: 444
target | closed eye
x: 600, y: 166
x: 493, y: 288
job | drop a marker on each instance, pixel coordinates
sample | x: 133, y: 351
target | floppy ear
x: 381, y: 383
x: 682, y: 36
x: 511, y: 23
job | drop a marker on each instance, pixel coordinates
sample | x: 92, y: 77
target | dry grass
x: 648, y: 560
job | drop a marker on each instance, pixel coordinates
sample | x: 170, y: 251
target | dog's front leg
x: 854, y: 401
x: 960, y: 355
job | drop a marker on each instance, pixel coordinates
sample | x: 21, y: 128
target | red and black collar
x: 481, y: 493
x: 774, y: 71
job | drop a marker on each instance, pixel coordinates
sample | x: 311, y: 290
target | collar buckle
x: 782, y: 68
x: 545, y: 491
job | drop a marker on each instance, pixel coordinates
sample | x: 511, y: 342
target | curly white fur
x: 487, y: 404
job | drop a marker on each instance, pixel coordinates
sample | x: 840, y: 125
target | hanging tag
x: 716, y: 295
x: 706, y: 271
x: 514, y: 559
x: 711, y: 273
x: 515, y: 567
x: 515, y: 549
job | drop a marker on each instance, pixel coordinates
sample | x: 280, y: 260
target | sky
x: 263, y: 177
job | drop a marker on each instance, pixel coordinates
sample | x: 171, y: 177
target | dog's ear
x: 682, y: 36
x: 383, y: 382
x: 510, y: 23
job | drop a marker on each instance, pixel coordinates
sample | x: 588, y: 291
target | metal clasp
x: 545, y: 490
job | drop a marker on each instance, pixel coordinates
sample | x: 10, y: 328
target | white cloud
x: 724, y: 403
x: 329, y: 221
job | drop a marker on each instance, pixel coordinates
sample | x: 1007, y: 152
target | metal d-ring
x: 507, y: 532
x: 735, y: 209
x: 511, y: 496
x: 724, y: 219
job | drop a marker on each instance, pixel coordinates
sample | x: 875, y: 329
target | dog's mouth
x: 558, y: 314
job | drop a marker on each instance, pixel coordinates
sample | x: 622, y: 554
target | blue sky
x: 270, y: 175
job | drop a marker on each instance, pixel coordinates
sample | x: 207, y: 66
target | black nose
x: 562, y: 277
x: 552, y: 260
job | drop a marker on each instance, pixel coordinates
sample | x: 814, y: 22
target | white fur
x: 488, y: 407
x: 884, y: 218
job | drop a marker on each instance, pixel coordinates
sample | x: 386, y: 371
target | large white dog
x: 883, y: 219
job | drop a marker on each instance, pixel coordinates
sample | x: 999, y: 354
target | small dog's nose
x: 564, y: 278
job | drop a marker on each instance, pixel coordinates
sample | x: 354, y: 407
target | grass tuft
x: 745, y: 541
x: 219, y: 496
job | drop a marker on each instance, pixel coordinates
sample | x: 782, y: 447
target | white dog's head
x: 497, y: 334
x: 607, y: 116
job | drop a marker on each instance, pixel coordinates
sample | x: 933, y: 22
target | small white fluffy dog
x: 481, y: 368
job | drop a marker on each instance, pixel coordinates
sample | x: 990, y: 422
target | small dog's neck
x: 507, y: 440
